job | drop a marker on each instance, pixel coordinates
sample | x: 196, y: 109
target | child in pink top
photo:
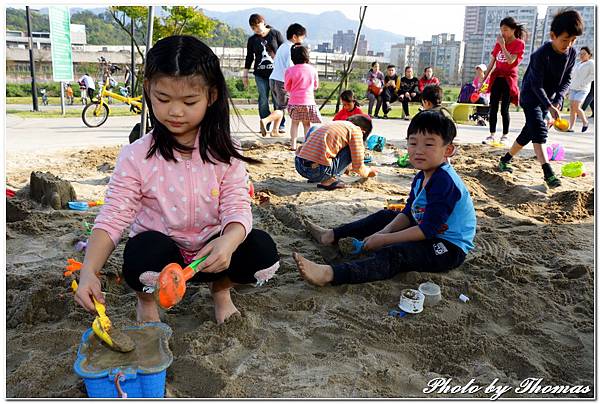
x: 301, y: 81
x: 182, y: 189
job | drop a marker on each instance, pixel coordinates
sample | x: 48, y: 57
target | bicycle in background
x: 97, y: 112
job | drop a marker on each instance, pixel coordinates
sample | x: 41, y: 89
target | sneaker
x: 584, y: 128
x: 488, y: 140
x: 552, y: 181
x: 504, y: 138
x: 385, y: 116
x: 505, y: 167
x: 407, y: 118
x: 281, y: 129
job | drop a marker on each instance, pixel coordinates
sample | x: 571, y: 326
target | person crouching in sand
x: 335, y: 148
x: 435, y: 230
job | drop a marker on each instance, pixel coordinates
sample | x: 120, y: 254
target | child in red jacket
x: 349, y: 106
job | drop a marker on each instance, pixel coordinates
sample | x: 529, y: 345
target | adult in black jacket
x: 409, y: 90
x: 261, y: 50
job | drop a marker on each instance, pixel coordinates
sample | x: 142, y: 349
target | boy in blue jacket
x: 435, y: 230
x: 543, y: 89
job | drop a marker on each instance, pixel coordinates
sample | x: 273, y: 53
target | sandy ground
x: 530, y: 279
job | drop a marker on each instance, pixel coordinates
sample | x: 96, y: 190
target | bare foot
x: 224, y: 307
x: 321, y: 234
x: 146, y: 309
x: 315, y: 274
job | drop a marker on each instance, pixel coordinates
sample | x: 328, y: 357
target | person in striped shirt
x: 334, y: 148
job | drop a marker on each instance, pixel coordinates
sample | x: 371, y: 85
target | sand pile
x: 530, y: 279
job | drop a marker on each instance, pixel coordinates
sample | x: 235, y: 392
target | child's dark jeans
x: 433, y: 255
x: 314, y: 172
x: 535, y: 129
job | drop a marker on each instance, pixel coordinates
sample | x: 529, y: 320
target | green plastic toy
x: 403, y: 161
x: 573, y: 169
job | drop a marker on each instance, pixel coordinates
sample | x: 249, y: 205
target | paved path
x: 34, y: 134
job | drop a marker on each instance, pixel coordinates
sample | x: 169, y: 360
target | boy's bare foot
x: 321, y: 234
x: 146, y: 309
x: 315, y: 274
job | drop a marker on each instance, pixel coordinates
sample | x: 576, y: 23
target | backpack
x: 465, y: 93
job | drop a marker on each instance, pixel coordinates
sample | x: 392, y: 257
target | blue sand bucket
x: 126, y: 381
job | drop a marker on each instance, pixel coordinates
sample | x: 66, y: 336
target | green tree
x: 183, y: 21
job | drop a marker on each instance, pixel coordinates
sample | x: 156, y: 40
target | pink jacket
x: 189, y: 201
x: 301, y: 81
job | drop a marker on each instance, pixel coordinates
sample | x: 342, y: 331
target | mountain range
x: 319, y: 26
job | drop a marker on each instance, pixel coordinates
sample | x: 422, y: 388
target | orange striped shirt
x: 326, y: 142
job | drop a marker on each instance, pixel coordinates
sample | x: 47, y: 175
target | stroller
x: 481, y: 114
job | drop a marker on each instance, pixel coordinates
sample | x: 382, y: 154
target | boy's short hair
x: 299, y: 54
x: 362, y: 121
x: 255, y: 19
x: 391, y: 66
x: 569, y: 21
x: 348, y: 96
x: 433, y: 93
x: 433, y: 122
x: 295, y: 29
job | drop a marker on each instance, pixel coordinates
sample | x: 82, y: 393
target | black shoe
x: 584, y: 128
x: 386, y: 117
x: 552, y: 181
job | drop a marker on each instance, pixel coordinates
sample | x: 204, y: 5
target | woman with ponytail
x: 503, y: 73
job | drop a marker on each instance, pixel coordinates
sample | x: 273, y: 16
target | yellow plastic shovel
x: 102, y: 325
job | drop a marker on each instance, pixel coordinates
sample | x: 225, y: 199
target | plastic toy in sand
x: 556, y: 152
x: 350, y: 246
x: 72, y: 267
x: 403, y: 160
x: 250, y: 189
x: 573, y: 169
x: 102, y: 326
x: 376, y: 143
x: 391, y: 205
x: 171, y: 283
x: 84, y: 205
x: 561, y: 124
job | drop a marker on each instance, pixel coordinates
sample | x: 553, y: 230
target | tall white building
x: 404, y: 54
x: 589, y: 30
x: 444, y: 54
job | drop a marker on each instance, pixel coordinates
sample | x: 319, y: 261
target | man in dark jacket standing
x: 261, y: 50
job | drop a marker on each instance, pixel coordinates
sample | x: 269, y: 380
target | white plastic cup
x: 411, y: 301
x: 464, y: 298
x: 432, y: 292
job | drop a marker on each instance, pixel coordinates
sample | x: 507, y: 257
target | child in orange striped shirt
x: 333, y: 148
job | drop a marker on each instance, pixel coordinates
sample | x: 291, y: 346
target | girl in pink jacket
x: 182, y: 189
x: 301, y: 81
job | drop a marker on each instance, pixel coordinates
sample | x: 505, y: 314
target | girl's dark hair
x: 407, y: 67
x: 348, y: 96
x: 374, y: 63
x: 183, y: 56
x: 295, y: 29
x: 585, y: 48
x: 569, y: 21
x: 299, y: 54
x: 434, y: 122
x: 520, y: 31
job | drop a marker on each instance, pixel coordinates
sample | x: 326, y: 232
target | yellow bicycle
x: 96, y: 113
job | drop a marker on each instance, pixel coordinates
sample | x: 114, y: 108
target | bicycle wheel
x: 94, y: 115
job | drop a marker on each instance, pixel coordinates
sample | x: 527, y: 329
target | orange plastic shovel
x: 171, y: 283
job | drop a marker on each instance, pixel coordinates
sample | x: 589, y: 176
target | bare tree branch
x: 122, y: 25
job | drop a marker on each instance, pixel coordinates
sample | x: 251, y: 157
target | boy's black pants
x: 434, y: 255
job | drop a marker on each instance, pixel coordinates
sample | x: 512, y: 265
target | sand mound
x: 530, y: 279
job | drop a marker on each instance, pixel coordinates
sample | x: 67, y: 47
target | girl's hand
x: 500, y: 40
x: 89, y: 285
x: 374, y: 242
x: 219, y: 253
